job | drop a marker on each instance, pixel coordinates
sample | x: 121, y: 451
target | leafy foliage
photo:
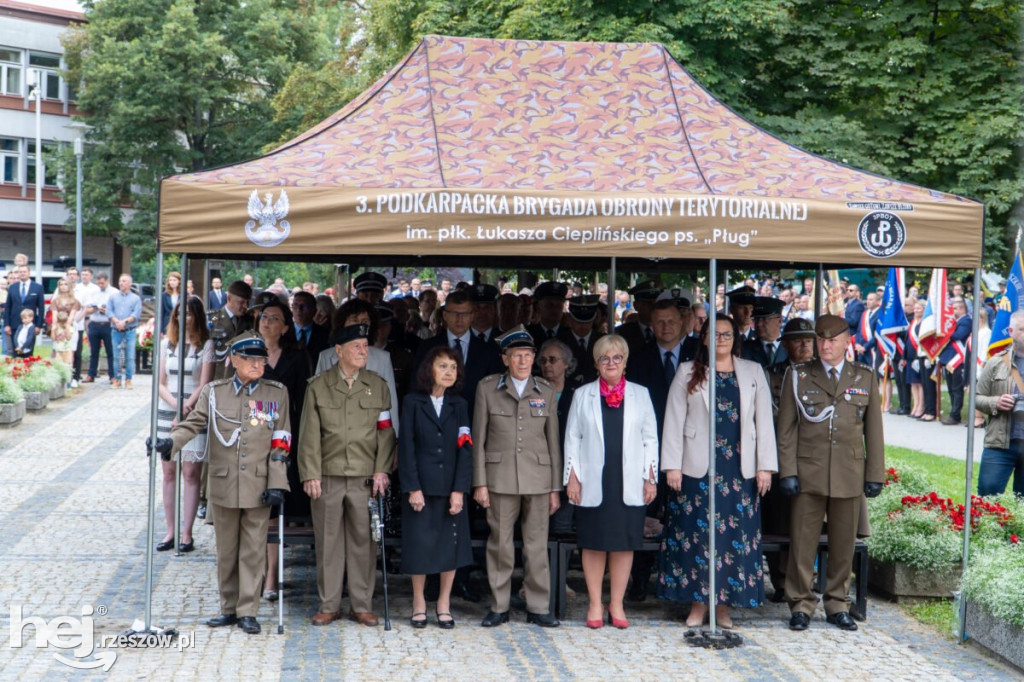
x: 10, y: 392
x: 995, y: 579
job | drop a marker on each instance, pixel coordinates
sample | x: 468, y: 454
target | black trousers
x: 77, y: 362
x: 955, y: 383
x: 99, y: 334
x: 902, y: 386
x: 929, y: 389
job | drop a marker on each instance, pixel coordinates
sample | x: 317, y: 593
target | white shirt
x: 438, y: 402
x: 520, y: 384
x: 82, y: 294
x: 463, y: 341
x: 19, y: 342
x: 100, y: 298
x: 838, y: 368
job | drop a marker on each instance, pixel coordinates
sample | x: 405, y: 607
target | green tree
x: 178, y: 86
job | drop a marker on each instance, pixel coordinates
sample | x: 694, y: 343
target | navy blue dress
x: 739, y: 578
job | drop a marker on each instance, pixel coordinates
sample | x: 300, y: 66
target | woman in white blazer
x: 611, y: 464
x: 745, y: 459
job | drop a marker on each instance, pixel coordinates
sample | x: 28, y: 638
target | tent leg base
x: 706, y: 639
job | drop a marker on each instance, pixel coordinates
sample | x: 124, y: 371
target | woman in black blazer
x: 435, y: 464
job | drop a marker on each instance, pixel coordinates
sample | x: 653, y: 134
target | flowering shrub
x: 35, y: 374
x: 144, y: 337
x: 995, y: 580
x: 10, y: 392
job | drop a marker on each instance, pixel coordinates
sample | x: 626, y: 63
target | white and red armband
x: 282, y: 440
x: 384, y: 421
x: 465, y: 438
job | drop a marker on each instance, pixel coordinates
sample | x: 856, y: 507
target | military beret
x: 240, y: 289
x: 517, y: 337
x: 830, y: 326
x: 550, y: 290
x: 483, y: 293
x: 766, y: 306
x: 798, y: 328
x: 645, y: 291
x: 583, y: 308
x: 743, y: 295
x: 384, y: 314
x: 342, y: 335
x: 249, y: 344
x: 679, y: 295
x: 370, y: 281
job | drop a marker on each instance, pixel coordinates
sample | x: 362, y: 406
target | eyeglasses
x: 611, y: 359
x: 459, y: 315
x: 272, y: 318
x: 546, y: 360
x: 252, y: 360
x: 723, y: 336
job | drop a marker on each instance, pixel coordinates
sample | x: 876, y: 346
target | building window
x: 47, y: 64
x: 49, y: 163
x: 10, y: 155
x: 10, y: 71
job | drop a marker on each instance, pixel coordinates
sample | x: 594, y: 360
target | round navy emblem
x: 881, y: 234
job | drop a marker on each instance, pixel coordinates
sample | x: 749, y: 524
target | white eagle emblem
x: 267, y: 227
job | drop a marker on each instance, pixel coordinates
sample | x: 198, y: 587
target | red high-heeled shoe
x: 595, y: 624
x: 615, y: 622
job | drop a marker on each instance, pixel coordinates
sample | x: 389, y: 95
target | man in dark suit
x: 216, y: 299
x: 864, y: 342
x: 741, y: 308
x: 312, y: 336
x: 581, y: 336
x: 485, y: 311
x: 549, y: 301
x: 854, y: 308
x: 480, y: 358
x: 638, y: 333
x: 767, y: 348
x: 957, y: 346
x: 23, y: 294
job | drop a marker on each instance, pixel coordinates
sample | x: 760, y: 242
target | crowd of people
x: 524, y: 415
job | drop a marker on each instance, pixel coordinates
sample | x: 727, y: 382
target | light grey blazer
x: 584, y: 443
x: 684, y: 438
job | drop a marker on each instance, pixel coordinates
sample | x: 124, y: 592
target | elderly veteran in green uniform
x: 346, y: 449
x: 517, y: 475
x: 831, y: 450
x: 227, y: 323
x: 249, y: 438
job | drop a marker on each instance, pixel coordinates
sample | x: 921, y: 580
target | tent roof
x: 529, y: 117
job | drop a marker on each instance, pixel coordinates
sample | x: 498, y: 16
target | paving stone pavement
x: 73, y: 533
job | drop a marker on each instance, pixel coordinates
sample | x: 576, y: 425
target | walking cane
x: 280, y: 570
x: 376, y: 505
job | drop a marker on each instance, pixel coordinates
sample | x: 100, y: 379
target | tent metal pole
x: 712, y: 376
x: 611, y: 297
x: 819, y: 279
x: 150, y: 512
x: 972, y: 401
x: 182, y: 340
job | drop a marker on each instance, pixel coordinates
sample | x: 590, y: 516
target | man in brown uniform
x: 249, y: 441
x: 517, y: 472
x: 831, y: 449
x: 346, y: 449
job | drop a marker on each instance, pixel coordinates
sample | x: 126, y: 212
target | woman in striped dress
x: 198, y: 371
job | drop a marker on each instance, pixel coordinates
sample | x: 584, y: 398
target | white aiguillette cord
x: 827, y: 413
x: 213, y: 422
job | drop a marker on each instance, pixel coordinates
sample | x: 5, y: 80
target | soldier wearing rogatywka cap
x: 370, y: 286
x: 549, y: 302
x: 741, y: 308
x: 517, y: 476
x: 638, y: 332
x: 831, y: 451
x: 346, y: 450
x: 581, y: 336
x: 485, y: 311
x: 227, y: 323
x: 249, y: 436
x: 766, y: 347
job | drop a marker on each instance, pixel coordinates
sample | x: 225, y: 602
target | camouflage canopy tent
x: 471, y: 150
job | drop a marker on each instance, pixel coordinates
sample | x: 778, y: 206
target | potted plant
x: 144, y: 347
x: 12, y: 400
x: 64, y: 372
x: 994, y: 589
x: 37, y: 380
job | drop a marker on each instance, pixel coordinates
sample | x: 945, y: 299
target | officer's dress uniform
x: 249, y: 441
x: 346, y: 437
x: 518, y: 457
x: 223, y: 327
x: 830, y: 437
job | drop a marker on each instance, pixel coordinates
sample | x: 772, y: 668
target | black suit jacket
x: 634, y: 335
x: 648, y: 369
x: 35, y: 301
x: 429, y: 456
x: 753, y: 349
x: 28, y: 350
x: 319, y: 339
x: 484, y: 360
x: 214, y: 302
x: 586, y: 371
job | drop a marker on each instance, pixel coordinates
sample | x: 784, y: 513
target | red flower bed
x: 980, y: 507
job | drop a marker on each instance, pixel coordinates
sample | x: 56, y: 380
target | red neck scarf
x: 613, y: 394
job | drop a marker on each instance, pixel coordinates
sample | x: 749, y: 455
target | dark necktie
x: 583, y: 344
x: 457, y: 346
x: 24, y: 290
x: 769, y: 349
x: 482, y: 337
x: 551, y: 333
x: 833, y: 374
x: 304, y: 336
x: 670, y: 367
x: 648, y: 334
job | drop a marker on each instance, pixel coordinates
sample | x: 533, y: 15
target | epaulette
x: 274, y: 383
x: 542, y: 381
x: 861, y: 365
x: 221, y: 382
x: 493, y: 377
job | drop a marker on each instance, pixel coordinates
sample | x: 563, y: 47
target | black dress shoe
x: 464, y: 591
x: 165, y: 545
x: 249, y: 625
x: 201, y: 512
x: 842, y: 620
x: 492, y: 619
x: 222, y: 620
x: 186, y: 547
x: 445, y: 624
x: 903, y: 413
x: 799, y: 621
x: 545, y: 620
